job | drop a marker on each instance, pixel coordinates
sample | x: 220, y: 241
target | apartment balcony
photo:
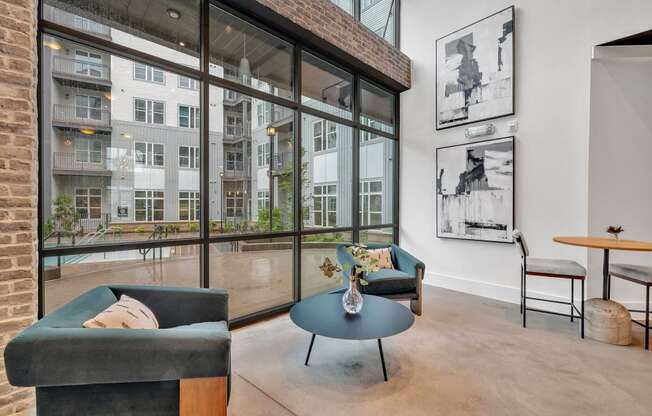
x: 234, y: 134
x: 282, y: 163
x: 82, y: 74
x: 237, y: 174
x: 66, y: 163
x: 71, y: 116
x: 80, y: 23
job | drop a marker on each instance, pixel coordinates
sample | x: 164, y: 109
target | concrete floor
x: 465, y: 356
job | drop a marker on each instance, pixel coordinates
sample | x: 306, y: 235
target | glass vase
x: 352, y: 299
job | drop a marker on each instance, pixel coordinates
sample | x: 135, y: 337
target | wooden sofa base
x: 203, y: 396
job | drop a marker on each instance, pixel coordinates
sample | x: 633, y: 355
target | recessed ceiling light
x: 174, y: 14
x: 52, y: 44
x: 228, y: 29
x: 108, y: 96
x: 87, y: 131
x: 182, y: 44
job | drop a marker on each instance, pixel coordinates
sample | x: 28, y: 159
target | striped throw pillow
x: 126, y: 313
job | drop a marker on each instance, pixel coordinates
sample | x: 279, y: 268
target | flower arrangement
x: 365, y: 264
x: 615, y: 230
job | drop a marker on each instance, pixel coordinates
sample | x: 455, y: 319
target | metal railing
x: 70, y: 161
x: 237, y: 131
x: 68, y: 19
x: 81, y: 68
x: 81, y: 115
x: 245, y: 172
x: 283, y: 160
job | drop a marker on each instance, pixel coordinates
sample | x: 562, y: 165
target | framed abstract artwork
x: 475, y: 72
x: 475, y: 191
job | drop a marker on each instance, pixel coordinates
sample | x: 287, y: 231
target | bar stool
x: 641, y: 275
x: 554, y: 268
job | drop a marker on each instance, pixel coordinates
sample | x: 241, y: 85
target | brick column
x: 18, y: 184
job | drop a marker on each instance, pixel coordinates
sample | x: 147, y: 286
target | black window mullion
x: 355, y: 154
x: 397, y: 167
x: 204, y: 161
x: 298, y: 176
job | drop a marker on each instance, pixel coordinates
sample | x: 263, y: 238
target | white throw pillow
x: 126, y: 313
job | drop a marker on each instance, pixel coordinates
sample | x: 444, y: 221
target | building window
x: 189, y: 157
x: 88, y: 151
x: 88, y: 107
x: 88, y: 64
x: 149, y: 111
x: 88, y: 25
x: 325, y: 205
x: 149, y: 154
x: 234, y: 125
x: 324, y: 135
x: 371, y: 203
x: 234, y: 204
x: 188, y: 83
x: 189, y: 116
x: 88, y: 203
x: 263, y: 154
x: 143, y: 72
x: 234, y: 161
x: 188, y: 206
x: 263, y: 199
x: 149, y: 205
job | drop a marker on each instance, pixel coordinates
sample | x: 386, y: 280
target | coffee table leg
x: 312, y: 341
x: 382, y: 358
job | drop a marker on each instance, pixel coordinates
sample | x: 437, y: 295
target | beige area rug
x: 466, y: 356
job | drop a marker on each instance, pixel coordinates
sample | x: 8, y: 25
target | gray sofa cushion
x: 389, y: 281
x: 641, y: 274
x: 555, y: 267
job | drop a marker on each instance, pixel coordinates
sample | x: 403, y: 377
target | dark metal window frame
x: 206, y: 80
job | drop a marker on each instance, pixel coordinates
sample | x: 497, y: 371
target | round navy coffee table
x: 324, y: 315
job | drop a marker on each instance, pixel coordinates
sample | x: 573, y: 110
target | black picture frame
x: 513, y: 216
x: 512, y: 9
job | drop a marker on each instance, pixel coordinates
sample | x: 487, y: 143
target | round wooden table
x: 605, y: 244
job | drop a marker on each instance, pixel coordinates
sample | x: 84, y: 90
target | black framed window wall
x: 224, y: 154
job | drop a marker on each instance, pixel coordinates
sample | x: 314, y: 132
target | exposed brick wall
x: 18, y: 184
x: 334, y: 25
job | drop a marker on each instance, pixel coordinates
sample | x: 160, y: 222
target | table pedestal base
x: 608, y: 321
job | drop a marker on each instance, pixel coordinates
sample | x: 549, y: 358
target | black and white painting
x: 475, y: 191
x: 475, y: 72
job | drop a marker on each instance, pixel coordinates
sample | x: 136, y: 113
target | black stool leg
x: 524, y: 298
x: 647, y: 319
x: 312, y: 341
x: 521, y: 289
x: 572, y: 299
x: 582, y: 307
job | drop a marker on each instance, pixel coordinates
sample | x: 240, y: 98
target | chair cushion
x: 555, y: 267
x: 389, y: 281
x: 641, y: 274
x: 126, y: 313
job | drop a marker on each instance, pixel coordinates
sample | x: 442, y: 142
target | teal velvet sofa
x: 404, y: 282
x: 80, y: 371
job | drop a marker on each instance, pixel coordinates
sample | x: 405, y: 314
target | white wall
x: 554, y: 40
x: 620, y: 153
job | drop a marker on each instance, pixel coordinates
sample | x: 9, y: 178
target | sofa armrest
x: 175, y: 306
x: 74, y: 356
x: 406, y: 262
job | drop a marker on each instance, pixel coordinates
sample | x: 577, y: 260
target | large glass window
x: 245, y: 54
x: 122, y: 155
x: 379, y: 17
x: 326, y: 87
x: 327, y: 173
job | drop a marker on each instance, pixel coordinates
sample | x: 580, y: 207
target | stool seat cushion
x: 641, y: 274
x: 555, y: 267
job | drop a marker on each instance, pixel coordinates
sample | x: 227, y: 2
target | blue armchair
x: 405, y: 282
x: 176, y: 370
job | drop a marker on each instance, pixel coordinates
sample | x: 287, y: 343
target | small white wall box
x: 479, y: 131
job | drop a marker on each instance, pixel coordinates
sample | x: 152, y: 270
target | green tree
x: 64, y: 212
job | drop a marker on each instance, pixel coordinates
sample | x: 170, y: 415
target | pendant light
x: 245, y: 68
